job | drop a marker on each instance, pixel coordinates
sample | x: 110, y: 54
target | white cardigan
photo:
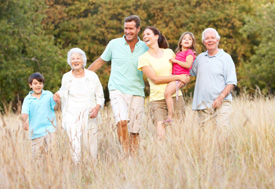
x: 95, y: 90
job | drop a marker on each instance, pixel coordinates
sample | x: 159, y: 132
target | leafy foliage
x: 90, y: 25
x: 259, y: 70
x: 36, y: 35
x: 25, y: 49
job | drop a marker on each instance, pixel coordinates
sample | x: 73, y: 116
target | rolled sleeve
x: 142, y: 62
x: 25, y: 106
x: 107, y: 54
x: 52, y: 102
x: 230, y: 72
x: 193, y: 71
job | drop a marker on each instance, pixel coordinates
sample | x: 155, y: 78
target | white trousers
x: 83, y: 139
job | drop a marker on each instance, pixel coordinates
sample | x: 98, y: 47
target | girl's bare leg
x: 169, y: 91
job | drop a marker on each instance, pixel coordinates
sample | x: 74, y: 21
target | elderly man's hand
x: 218, y: 102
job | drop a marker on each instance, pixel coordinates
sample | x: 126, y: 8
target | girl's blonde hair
x: 193, y: 46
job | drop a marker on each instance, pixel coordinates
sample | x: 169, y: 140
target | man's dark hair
x: 133, y: 18
x: 38, y: 76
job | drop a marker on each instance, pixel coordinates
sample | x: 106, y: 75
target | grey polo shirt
x: 212, y: 73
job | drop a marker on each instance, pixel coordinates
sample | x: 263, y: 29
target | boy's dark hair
x: 38, y: 76
x: 133, y: 18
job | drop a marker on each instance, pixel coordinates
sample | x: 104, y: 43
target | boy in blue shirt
x: 38, y: 106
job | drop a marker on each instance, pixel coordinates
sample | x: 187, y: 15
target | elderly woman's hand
x: 56, y: 98
x: 94, y: 111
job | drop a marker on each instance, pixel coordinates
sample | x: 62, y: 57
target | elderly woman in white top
x: 81, y: 96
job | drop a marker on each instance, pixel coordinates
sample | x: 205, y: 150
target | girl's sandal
x: 167, y: 122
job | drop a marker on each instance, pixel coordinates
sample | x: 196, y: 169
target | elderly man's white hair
x: 77, y: 51
x: 210, y: 29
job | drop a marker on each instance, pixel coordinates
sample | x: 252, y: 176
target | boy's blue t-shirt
x: 41, y: 113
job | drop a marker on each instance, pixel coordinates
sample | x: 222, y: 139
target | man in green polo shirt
x: 126, y: 86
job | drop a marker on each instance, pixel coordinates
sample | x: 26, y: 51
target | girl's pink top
x: 181, y: 56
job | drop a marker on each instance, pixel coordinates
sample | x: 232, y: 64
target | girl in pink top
x: 182, y: 64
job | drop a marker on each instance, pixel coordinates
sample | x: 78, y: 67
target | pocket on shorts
x: 226, y: 108
x: 158, y: 111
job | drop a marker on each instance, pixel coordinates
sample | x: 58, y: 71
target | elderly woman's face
x: 76, y: 61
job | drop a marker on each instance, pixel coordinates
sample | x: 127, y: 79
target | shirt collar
x: 125, y: 42
x: 216, y: 55
x: 30, y: 93
x: 72, y: 77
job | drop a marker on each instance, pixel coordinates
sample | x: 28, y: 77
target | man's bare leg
x: 134, y: 144
x: 123, y: 135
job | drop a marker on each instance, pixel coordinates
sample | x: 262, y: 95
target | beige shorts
x: 41, y: 146
x: 219, y: 117
x: 128, y: 107
x: 159, y: 111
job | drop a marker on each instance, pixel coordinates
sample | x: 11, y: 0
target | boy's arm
x: 25, y: 122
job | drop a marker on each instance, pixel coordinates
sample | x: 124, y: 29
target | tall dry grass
x: 189, y: 157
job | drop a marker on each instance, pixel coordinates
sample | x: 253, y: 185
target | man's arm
x: 98, y: 63
x: 218, y: 101
x: 230, y: 78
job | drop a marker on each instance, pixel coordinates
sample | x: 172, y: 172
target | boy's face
x: 36, y: 86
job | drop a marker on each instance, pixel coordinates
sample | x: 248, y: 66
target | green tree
x: 25, y: 49
x: 90, y: 25
x: 259, y: 70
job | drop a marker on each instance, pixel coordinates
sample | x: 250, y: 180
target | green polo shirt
x: 125, y: 76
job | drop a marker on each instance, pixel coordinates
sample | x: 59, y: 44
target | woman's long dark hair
x: 162, y: 41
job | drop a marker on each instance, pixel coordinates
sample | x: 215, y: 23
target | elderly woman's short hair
x: 77, y: 51
x: 210, y: 29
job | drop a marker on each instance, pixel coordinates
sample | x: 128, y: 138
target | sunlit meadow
x: 189, y: 157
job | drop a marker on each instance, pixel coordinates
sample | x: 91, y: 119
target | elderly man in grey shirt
x: 215, y: 79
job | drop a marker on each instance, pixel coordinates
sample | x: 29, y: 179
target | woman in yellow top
x: 156, y: 66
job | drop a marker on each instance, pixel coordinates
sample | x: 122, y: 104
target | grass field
x: 189, y: 157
